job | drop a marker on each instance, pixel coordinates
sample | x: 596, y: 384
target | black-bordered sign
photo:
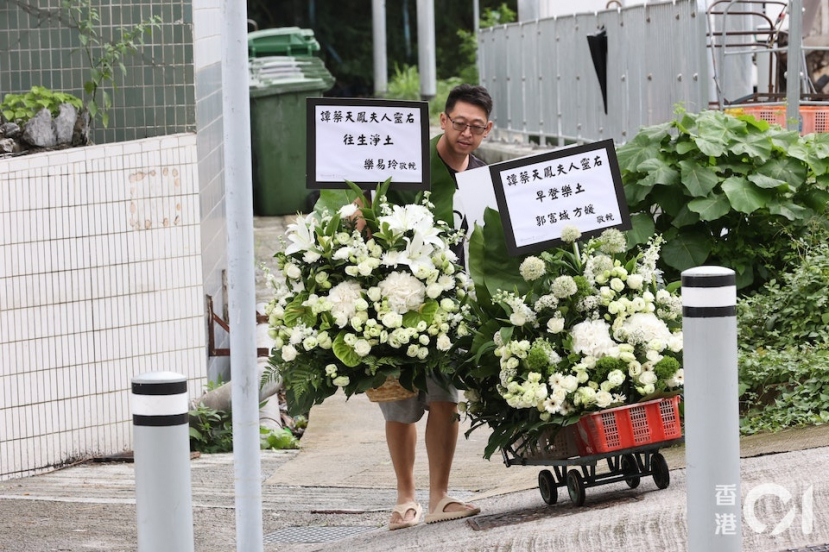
x: 578, y: 186
x: 367, y: 141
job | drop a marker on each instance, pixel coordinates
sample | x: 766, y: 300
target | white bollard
x: 161, y: 437
x: 712, y: 422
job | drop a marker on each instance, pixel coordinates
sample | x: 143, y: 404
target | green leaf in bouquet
x: 343, y: 352
x: 332, y: 200
x: 333, y: 225
x: 297, y: 313
x: 483, y: 337
x: 500, y: 270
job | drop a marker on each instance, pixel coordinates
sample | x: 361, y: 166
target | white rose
x: 517, y: 319
x: 341, y: 381
x: 374, y: 294
x: 412, y: 350
x: 309, y: 343
x: 392, y: 320
x: 362, y: 347
x: 347, y: 211
x: 422, y: 353
x: 443, y: 342
x: 647, y: 378
x: 635, y: 281
x: 555, y: 325
x: 433, y: 291
x: 292, y: 271
x: 617, y: 285
x: 288, y: 353
x: 331, y: 370
x: 603, y: 399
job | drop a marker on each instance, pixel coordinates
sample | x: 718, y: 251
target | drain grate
x: 816, y: 548
x: 315, y: 534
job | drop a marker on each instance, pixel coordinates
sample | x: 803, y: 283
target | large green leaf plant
x: 725, y: 190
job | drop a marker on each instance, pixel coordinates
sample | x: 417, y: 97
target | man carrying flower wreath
x: 465, y: 122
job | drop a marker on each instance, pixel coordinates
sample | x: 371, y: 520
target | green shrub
x: 725, y: 190
x: 781, y: 389
x: 791, y: 311
x: 19, y: 108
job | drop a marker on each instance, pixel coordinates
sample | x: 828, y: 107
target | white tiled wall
x: 100, y: 280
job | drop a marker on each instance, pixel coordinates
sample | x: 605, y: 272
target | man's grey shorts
x: 409, y: 411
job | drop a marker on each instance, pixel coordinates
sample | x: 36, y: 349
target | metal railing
x: 542, y: 78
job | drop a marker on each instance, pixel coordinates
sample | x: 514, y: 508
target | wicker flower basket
x: 391, y: 390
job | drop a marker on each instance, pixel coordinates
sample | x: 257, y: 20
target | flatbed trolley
x: 627, y: 464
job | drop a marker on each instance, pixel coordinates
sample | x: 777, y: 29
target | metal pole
x: 476, y: 27
x: 378, y: 26
x: 161, y: 442
x: 712, y: 429
x: 793, y: 68
x: 240, y: 260
x: 426, y: 48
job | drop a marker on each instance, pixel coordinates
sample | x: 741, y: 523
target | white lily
x: 302, y: 234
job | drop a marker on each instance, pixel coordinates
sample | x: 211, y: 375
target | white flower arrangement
x: 353, y: 307
x: 591, y: 331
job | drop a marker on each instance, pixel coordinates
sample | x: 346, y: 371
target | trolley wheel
x: 575, y: 487
x: 547, y: 486
x: 629, y: 467
x: 659, y: 467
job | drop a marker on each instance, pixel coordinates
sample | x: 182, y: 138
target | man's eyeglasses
x: 461, y: 126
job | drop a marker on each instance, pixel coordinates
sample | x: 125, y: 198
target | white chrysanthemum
x: 592, y: 338
x: 343, y: 298
x: 532, y: 268
x: 403, y: 291
x: 570, y: 233
x: 563, y: 287
x: 677, y: 380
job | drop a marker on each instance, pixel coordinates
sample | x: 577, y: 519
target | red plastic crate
x: 814, y: 118
x: 629, y: 426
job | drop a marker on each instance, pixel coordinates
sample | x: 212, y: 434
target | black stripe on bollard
x: 709, y: 312
x: 161, y: 421
x: 712, y: 281
x: 167, y: 388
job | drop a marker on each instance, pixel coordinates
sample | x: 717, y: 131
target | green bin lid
x: 285, y: 41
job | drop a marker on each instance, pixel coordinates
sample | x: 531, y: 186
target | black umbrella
x: 598, y: 51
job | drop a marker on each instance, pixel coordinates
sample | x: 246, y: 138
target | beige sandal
x: 401, y: 510
x: 440, y: 515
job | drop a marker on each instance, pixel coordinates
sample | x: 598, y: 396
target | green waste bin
x: 278, y: 90
x: 286, y: 41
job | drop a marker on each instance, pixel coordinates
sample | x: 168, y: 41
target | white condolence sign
x: 578, y: 186
x: 367, y: 141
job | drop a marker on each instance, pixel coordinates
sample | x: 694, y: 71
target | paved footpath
x: 336, y: 492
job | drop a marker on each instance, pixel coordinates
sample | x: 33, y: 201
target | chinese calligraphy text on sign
x: 540, y: 195
x: 367, y: 141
